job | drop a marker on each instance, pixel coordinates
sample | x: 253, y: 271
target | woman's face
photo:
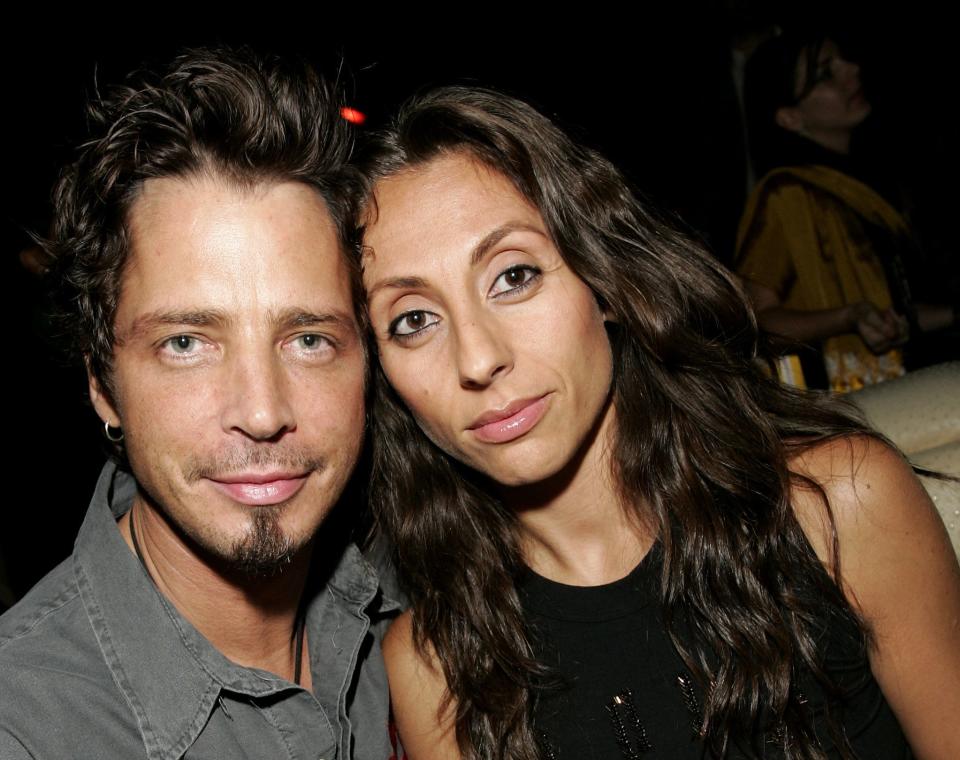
x: 498, y: 349
x: 834, y: 100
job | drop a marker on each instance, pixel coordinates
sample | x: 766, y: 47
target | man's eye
x: 514, y: 280
x: 312, y: 342
x: 412, y: 322
x: 182, y: 344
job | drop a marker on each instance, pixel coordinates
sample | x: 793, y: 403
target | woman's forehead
x: 811, y: 57
x: 447, y: 192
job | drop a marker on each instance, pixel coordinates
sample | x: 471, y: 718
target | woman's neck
x: 835, y: 141
x: 574, y: 526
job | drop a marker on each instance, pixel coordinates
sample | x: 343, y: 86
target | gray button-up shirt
x: 96, y: 663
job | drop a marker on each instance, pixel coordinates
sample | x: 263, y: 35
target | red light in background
x: 353, y: 115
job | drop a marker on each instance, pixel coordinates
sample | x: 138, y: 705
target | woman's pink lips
x: 260, y: 493
x: 510, y: 428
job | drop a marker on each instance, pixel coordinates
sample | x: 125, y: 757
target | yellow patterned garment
x: 805, y: 234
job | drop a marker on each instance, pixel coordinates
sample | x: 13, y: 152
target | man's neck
x: 252, y: 622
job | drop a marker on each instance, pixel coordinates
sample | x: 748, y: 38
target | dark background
x: 651, y: 90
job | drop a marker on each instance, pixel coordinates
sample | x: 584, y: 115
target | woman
x: 619, y: 537
x: 825, y: 255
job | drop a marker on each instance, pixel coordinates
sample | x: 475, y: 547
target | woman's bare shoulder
x: 398, y: 640
x: 898, y: 570
x: 872, y: 492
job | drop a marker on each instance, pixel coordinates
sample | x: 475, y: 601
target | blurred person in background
x: 829, y: 260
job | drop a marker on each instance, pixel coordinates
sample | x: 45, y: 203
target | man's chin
x: 266, y: 550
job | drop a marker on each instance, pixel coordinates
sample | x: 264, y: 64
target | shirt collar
x: 169, y: 673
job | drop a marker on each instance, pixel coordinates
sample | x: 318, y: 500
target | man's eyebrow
x: 287, y: 318
x: 491, y: 239
x: 305, y: 318
x: 188, y: 317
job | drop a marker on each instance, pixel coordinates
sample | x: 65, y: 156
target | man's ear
x: 102, y: 401
x: 789, y: 118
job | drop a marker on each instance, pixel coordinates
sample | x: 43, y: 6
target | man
x: 207, y: 611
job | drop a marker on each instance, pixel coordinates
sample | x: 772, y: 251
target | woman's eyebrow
x: 491, y: 239
x: 479, y: 251
x: 397, y: 282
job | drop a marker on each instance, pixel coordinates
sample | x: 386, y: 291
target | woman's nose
x: 847, y: 72
x: 483, y: 353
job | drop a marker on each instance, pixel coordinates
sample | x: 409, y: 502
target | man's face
x: 238, y: 368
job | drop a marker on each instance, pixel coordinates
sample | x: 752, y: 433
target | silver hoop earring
x: 112, y: 437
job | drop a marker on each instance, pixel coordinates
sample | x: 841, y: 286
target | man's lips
x: 260, y: 489
x: 510, y: 422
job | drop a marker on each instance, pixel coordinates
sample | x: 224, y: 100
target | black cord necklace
x: 301, y: 628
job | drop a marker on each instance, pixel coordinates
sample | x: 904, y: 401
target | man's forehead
x: 158, y: 197
x: 203, y: 244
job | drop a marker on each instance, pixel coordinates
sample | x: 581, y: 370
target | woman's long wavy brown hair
x: 703, y: 440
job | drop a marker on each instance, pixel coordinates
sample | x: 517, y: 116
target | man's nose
x: 257, y: 402
x: 483, y: 353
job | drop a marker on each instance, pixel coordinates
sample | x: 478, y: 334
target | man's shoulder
x: 379, y: 554
x: 47, y: 637
x: 50, y: 662
x: 41, y: 613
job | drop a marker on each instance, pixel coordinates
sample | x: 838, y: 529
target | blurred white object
x: 920, y: 413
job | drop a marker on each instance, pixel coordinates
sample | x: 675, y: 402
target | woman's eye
x: 514, y: 279
x: 412, y: 322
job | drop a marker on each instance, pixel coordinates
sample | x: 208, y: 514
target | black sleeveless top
x: 623, y: 691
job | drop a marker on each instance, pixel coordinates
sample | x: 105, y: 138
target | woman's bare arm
x: 880, y: 330
x: 417, y: 689
x: 900, y: 572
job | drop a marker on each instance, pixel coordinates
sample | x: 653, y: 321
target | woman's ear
x: 789, y: 118
x: 605, y: 311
